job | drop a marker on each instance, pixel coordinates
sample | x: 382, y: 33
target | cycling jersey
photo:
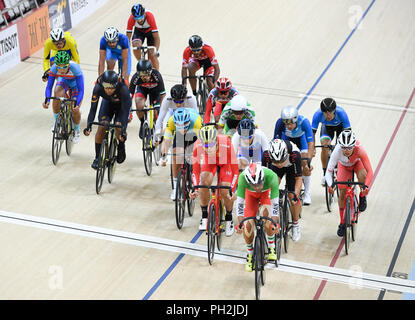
x: 149, y: 24
x: 302, y: 132
x: 253, y: 152
x: 115, y: 53
x: 168, y: 107
x: 216, y: 103
x: 50, y: 50
x: 154, y: 88
x: 195, y: 125
x: 73, y: 79
x: 340, y: 117
x: 206, y: 58
x: 224, y: 157
x: 248, y: 199
x: 346, y: 165
x: 228, y: 120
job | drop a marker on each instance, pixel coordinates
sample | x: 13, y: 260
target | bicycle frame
x: 144, y: 51
x: 202, y: 91
x: 183, y: 187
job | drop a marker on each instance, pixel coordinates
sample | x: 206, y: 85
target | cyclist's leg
x: 291, y: 181
x: 111, y: 59
x: 140, y: 100
x: 137, y: 40
x: 343, y: 174
x: 192, y: 67
x: 361, y: 174
x: 206, y: 179
x: 151, y: 53
x: 326, y: 136
x: 121, y: 118
x: 251, y: 208
x: 105, y: 115
x: 209, y: 71
x: 60, y: 90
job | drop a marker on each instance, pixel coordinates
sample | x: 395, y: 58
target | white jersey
x: 254, y: 151
x: 168, y: 106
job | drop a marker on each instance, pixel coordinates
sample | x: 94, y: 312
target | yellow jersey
x: 50, y: 50
x: 195, y: 125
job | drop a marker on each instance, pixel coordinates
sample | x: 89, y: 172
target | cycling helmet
x: 62, y: 57
x: 109, y: 78
x: 239, y: 103
x: 347, y: 139
x: 208, y: 134
x: 254, y: 174
x: 144, y: 65
x: 278, y: 150
x: 111, y: 34
x: 138, y: 11
x: 178, y: 92
x: 289, y: 114
x: 328, y: 105
x: 181, y: 117
x: 246, y: 128
x: 57, y: 34
x: 195, y: 42
x: 223, y: 84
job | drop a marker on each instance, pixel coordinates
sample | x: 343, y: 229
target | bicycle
x: 183, y: 188
x: 329, y: 196
x: 107, y: 157
x: 285, y: 217
x: 148, y: 144
x: 216, y: 218
x: 202, y: 91
x: 145, y: 49
x: 260, y: 252
x: 63, y: 129
x: 351, y: 211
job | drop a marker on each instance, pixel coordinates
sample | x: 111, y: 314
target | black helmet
x: 328, y: 105
x: 195, y: 42
x: 137, y: 11
x: 144, y: 65
x: 178, y: 92
x: 109, y: 77
x: 246, y: 128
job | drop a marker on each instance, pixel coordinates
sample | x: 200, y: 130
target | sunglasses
x: 62, y: 66
x: 144, y: 74
x: 289, y: 121
x: 58, y: 42
x: 108, y: 85
x: 139, y: 18
x: 112, y: 42
x: 209, y: 145
x: 223, y: 92
x: 238, y: 113
x: 348, y: 148
x: 196, y: 50
x: 278, y: 162
x: 178, y: 101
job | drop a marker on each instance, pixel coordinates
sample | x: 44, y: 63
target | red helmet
x: 223, y: 84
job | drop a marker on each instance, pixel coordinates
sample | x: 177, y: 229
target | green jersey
x: 270, y: 182
x: 227, y: 118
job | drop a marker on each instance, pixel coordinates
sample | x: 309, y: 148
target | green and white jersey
x: 228, y: 120
x: 270, y: 182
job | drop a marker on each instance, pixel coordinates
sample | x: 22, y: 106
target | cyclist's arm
x: 162, y: 114
x: 334, y: 159
x: 197, y: 154
x: 125, y: 106
x: 49, y: 86
x: 345, y: 120
x: 208, y: 110
x: 74, y: 51
x: 366, y: 163
x: 234, y: 165
x: 130, y: 27
x: 101, y: 63
x: 46, y: 54
x: 217, y: 72
x: 124, y: 59
x: 240, y: 193
x: 279, y: 129
x: 94, y: 104
x: 80, y: 86
x: 133, y: 84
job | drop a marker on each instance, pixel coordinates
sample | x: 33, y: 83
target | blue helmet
x: 246, y: 128
x: 138, y: 11
x: 181, y: 117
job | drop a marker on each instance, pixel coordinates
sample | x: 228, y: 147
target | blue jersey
x: 303, y: 128
x: 73, y: 79
x: 340, y: 117
x: 115, y: 53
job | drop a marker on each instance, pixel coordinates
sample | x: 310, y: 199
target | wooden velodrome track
x: 60, y: 240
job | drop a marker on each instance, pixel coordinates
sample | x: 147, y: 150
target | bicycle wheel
x: 347, y: 225
x: 70, y: 133
x: 211, y: 231
x: 278, y: 239
x: 355, y: 218
x: 287, y: 221
x: 101, y: 166
x: 180, y: 202
x: 157, y: 154
x: 329, y: 197
x: 258, y: 260
x: 220, y: 225
x: 57, y: 139
x: 112, y: 157
x: 147, y: 152
x: 189, y: 185
x: 204, y: 98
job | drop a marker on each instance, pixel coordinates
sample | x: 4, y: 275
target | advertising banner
x: 37, y: 29
x: 9, y: 48
x: 81, y: 9
x: 60, y: 15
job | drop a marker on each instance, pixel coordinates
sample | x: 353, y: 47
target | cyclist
x: 218, y: 98
x: 286, y: 160
x: 235, y: 110
x: 250, y: 144
x: 297, y: 129
x: 147, y: 81
x: 179, y: 97
x: 182, y: 128
x: 116, y: 102
x: 58, y: 41
x: 350, y: 157
x: 213, y: 150
x: 200, y: 55
x: 258, y: 185
x: 114, y: 46
x: 69, y: 83
x: 145, y: 27
x: 333, y: 120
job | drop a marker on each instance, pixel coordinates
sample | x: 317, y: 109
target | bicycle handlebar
x: 330, y: 146
x: 282, y: 191
x: 350, y: 183
x: 62, y: 99
x: 257, y: 218
x: 107, y: 124
x: 212, y: 188
x: 146, y: 109
x: 201, y: 77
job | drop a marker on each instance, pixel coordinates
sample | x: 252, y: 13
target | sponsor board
x: 60, y: 15
x: 37, y: 25
x: 9, y: 48
x: 81, y: 9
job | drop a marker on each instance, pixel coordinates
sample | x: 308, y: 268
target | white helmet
x: 254, y: 174
x: 111, y: 34
x: 57, y: 34
x: 347, y: 139
x: 289, y: 113
x: 239, y: 103
x: 278, y: 150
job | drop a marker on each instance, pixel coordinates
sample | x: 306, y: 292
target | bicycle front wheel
x: 211, y: 232
x: 189, y: 185
x: 180, y: 204
x: 57, y: 139
x: 147, y: 152
x: 355, y: 218
x: 258, y: 260
x: 70, y: 133
x: 112, y: 158
x: 101, y: 166
x: 347, y: 225
x: 286, y: 220
x: 329, y: 198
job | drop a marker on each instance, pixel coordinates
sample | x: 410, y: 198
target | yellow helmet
x: 208, y: 134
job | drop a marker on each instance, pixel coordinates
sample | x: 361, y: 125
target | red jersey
x: 207, y: 53
x: 149, y: 24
